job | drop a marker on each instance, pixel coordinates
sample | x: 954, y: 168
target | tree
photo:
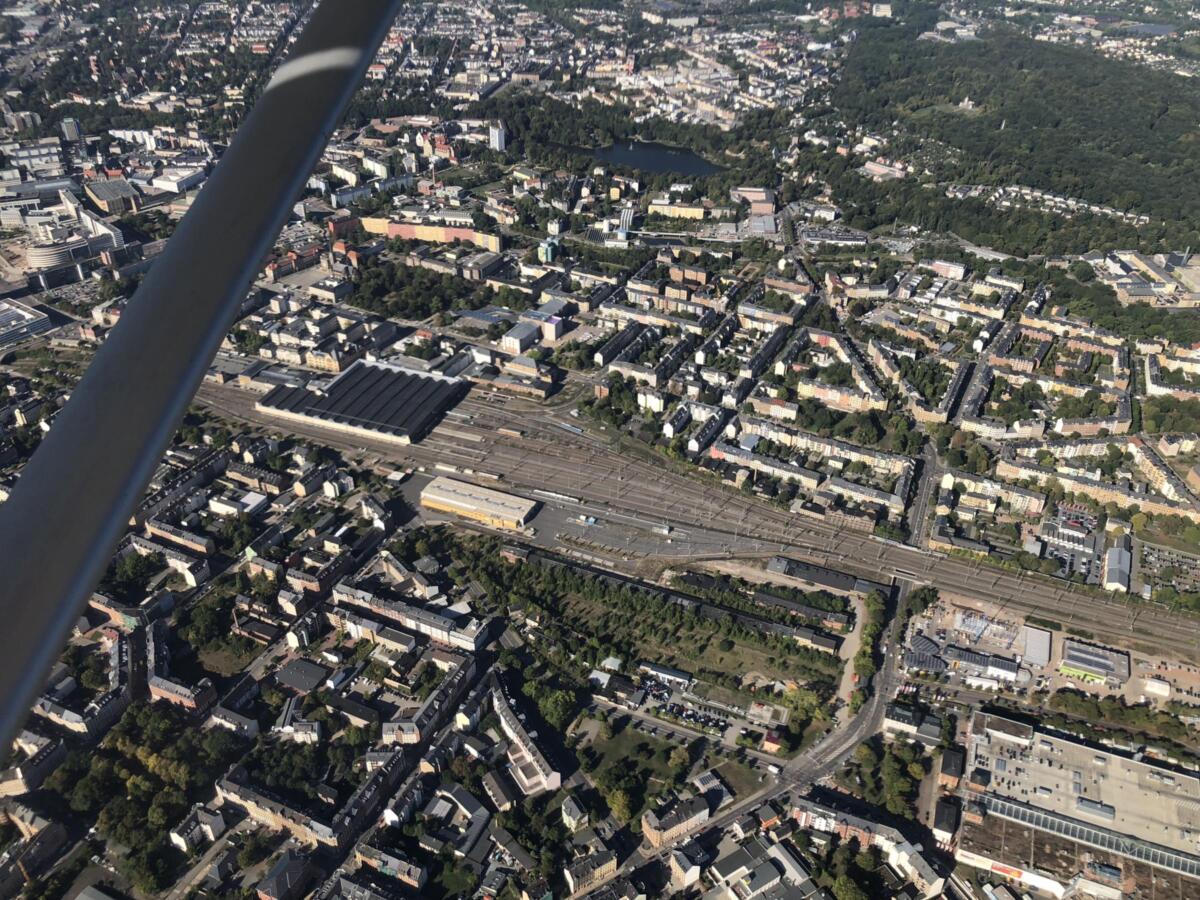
x: 149, y: 865
x: 129, y: 576
x: 237, y: 532
x: 621, y: 805
x: 557, y: 707
x: 263, y: 587
x: 864, y: 755
x: 865, y: 860
x: 978, y: 459
x: 456, y: 879
x: 92, y: 790
x: 844, y: 888
x: 864, y: 666
x: 1081, y: 271
x: 256, y: 848
x: 1016, y: 135
x: 680, y: 761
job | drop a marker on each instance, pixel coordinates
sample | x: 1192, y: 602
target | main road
x: 815, y: 764
x: 554, y: 454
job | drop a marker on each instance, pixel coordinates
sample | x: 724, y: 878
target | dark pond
x: 658, y: 159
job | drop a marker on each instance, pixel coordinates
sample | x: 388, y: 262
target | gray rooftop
x: 375, y: 397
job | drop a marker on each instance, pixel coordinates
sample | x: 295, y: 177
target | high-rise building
x: 498, y: 137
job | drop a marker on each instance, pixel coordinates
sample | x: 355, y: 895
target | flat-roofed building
x: 1038, y: 642
x: 520, y: 337
x: 1124, y: 804
x: 945, y: 820
x: 18, y: 322
x: 114, y: 196
x: 1089, y: 662
x: 491, y: 507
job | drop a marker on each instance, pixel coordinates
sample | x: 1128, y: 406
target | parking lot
x: 671, y: 715
x: 686, y: 714
x: 676, y: 707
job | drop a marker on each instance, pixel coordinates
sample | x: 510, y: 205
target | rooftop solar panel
x: 380, y: 400
x: 343, y: 403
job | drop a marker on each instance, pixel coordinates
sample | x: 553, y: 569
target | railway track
x: 585, y: 465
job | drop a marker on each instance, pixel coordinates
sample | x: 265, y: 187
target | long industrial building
x: 371, y: 399
x: 491, y: 507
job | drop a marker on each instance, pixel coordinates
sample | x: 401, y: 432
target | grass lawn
x: 739, y: 778
x: 632, y: 744
x: 928, y: 112
x: 223, y: 662
x: 631, y: 752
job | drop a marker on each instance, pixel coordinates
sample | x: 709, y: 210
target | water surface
x: 647, y: 156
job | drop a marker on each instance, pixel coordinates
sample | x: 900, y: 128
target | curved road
x: 815, y: 764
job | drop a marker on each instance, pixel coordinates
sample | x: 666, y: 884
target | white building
x: 201, y: 825
x: 1117, y: 564
x: 178, y: 180
x: 528, y: 767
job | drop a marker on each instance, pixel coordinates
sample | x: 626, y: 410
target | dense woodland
x: 1169, y: 414
x: 140, y: 782
x: 869, y: 205
x: 886, y: 775
x: 1114, y: 711
x: 408, y: 292
x: 1049, y: 116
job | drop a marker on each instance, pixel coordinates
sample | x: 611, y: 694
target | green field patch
x: 739, y: 778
